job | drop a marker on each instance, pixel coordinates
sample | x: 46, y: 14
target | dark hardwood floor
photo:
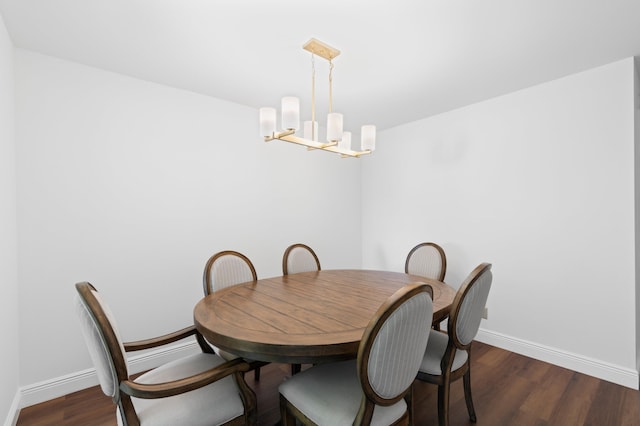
x: 508, y: 389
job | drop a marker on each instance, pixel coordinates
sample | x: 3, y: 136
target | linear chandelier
x: 338, y: 141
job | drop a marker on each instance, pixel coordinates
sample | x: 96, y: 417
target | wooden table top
x: 309, y: 317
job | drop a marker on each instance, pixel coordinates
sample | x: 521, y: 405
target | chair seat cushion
x: 330, y: 394
x: 212, y: 404
x: 436, y: 346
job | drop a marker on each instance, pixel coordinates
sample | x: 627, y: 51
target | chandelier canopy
x: 338, y: 141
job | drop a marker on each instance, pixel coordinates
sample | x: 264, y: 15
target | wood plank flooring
x: 508, y: 389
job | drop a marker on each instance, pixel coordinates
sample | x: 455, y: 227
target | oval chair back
x: 227, y: 268
x: 392, y: 347
x: 299, y: 258
x: 102, y: 338
x: 427, y: 260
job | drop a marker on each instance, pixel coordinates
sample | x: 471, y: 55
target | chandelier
x: 338, y: 141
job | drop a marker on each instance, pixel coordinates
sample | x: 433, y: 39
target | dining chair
x: 227, y: 268
x: 299, y: 258
x: 375, y: 388
x: 224, y: 269
x: 201, y: 388
x: 427, y: 260
x: 447, y: 357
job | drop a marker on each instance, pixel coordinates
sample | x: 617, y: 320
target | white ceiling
x: 400, y: 61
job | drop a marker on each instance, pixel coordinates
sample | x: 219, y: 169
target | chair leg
x: 409, y: 400
x: 256, y: 374
x: 286, y: 418
x: 466, y: 379
x: 443, y: 403
x: 295, y: 369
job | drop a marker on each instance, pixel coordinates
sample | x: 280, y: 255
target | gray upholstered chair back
x: 474, y: 299
x: 98, y: 328
x: 398, y: 345
x: 299, y: 258
x: 225, y: 269
x: 427, y: 260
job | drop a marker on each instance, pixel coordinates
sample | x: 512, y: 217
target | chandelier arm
x: 330, y: 146
x: 279, y: 135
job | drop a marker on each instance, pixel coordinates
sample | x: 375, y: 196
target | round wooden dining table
x: 309, y: 317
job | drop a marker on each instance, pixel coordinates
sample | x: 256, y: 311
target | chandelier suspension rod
x: 313, y: 96
x: 330, y: 85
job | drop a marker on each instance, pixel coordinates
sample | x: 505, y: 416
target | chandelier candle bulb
x: 267, y: 121
x: 334, y: 127
x: 368, y: 137
x: 345, y: 143
x: 290, y: 113
x: 311, y: 130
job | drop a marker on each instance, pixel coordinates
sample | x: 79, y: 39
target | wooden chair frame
x: 208, y: 289
x: 443, y: 258
x: 287, y: 252
x: 295, y: 368
x: 206, y: 278
x: 444, y: 380
x: 128, y: 388
x: 370, y: 399
x: 443, y: 261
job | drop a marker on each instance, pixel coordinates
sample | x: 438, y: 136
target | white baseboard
x: 14, y: 410
x: 59, y: 386
x: 612, y: 373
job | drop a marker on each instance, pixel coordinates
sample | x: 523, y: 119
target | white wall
x: 8, y: 230
x: 636, y: 110
x: 132, y: 186
x: 540, y: 183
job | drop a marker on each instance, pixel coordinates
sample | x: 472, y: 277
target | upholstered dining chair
x: 224, y: 269
x: 227, y: 268
x: 427, y: 260
x: 448, y: 356
x: 299, y: 258
x: 198, y: 389
x: 376, y: 387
